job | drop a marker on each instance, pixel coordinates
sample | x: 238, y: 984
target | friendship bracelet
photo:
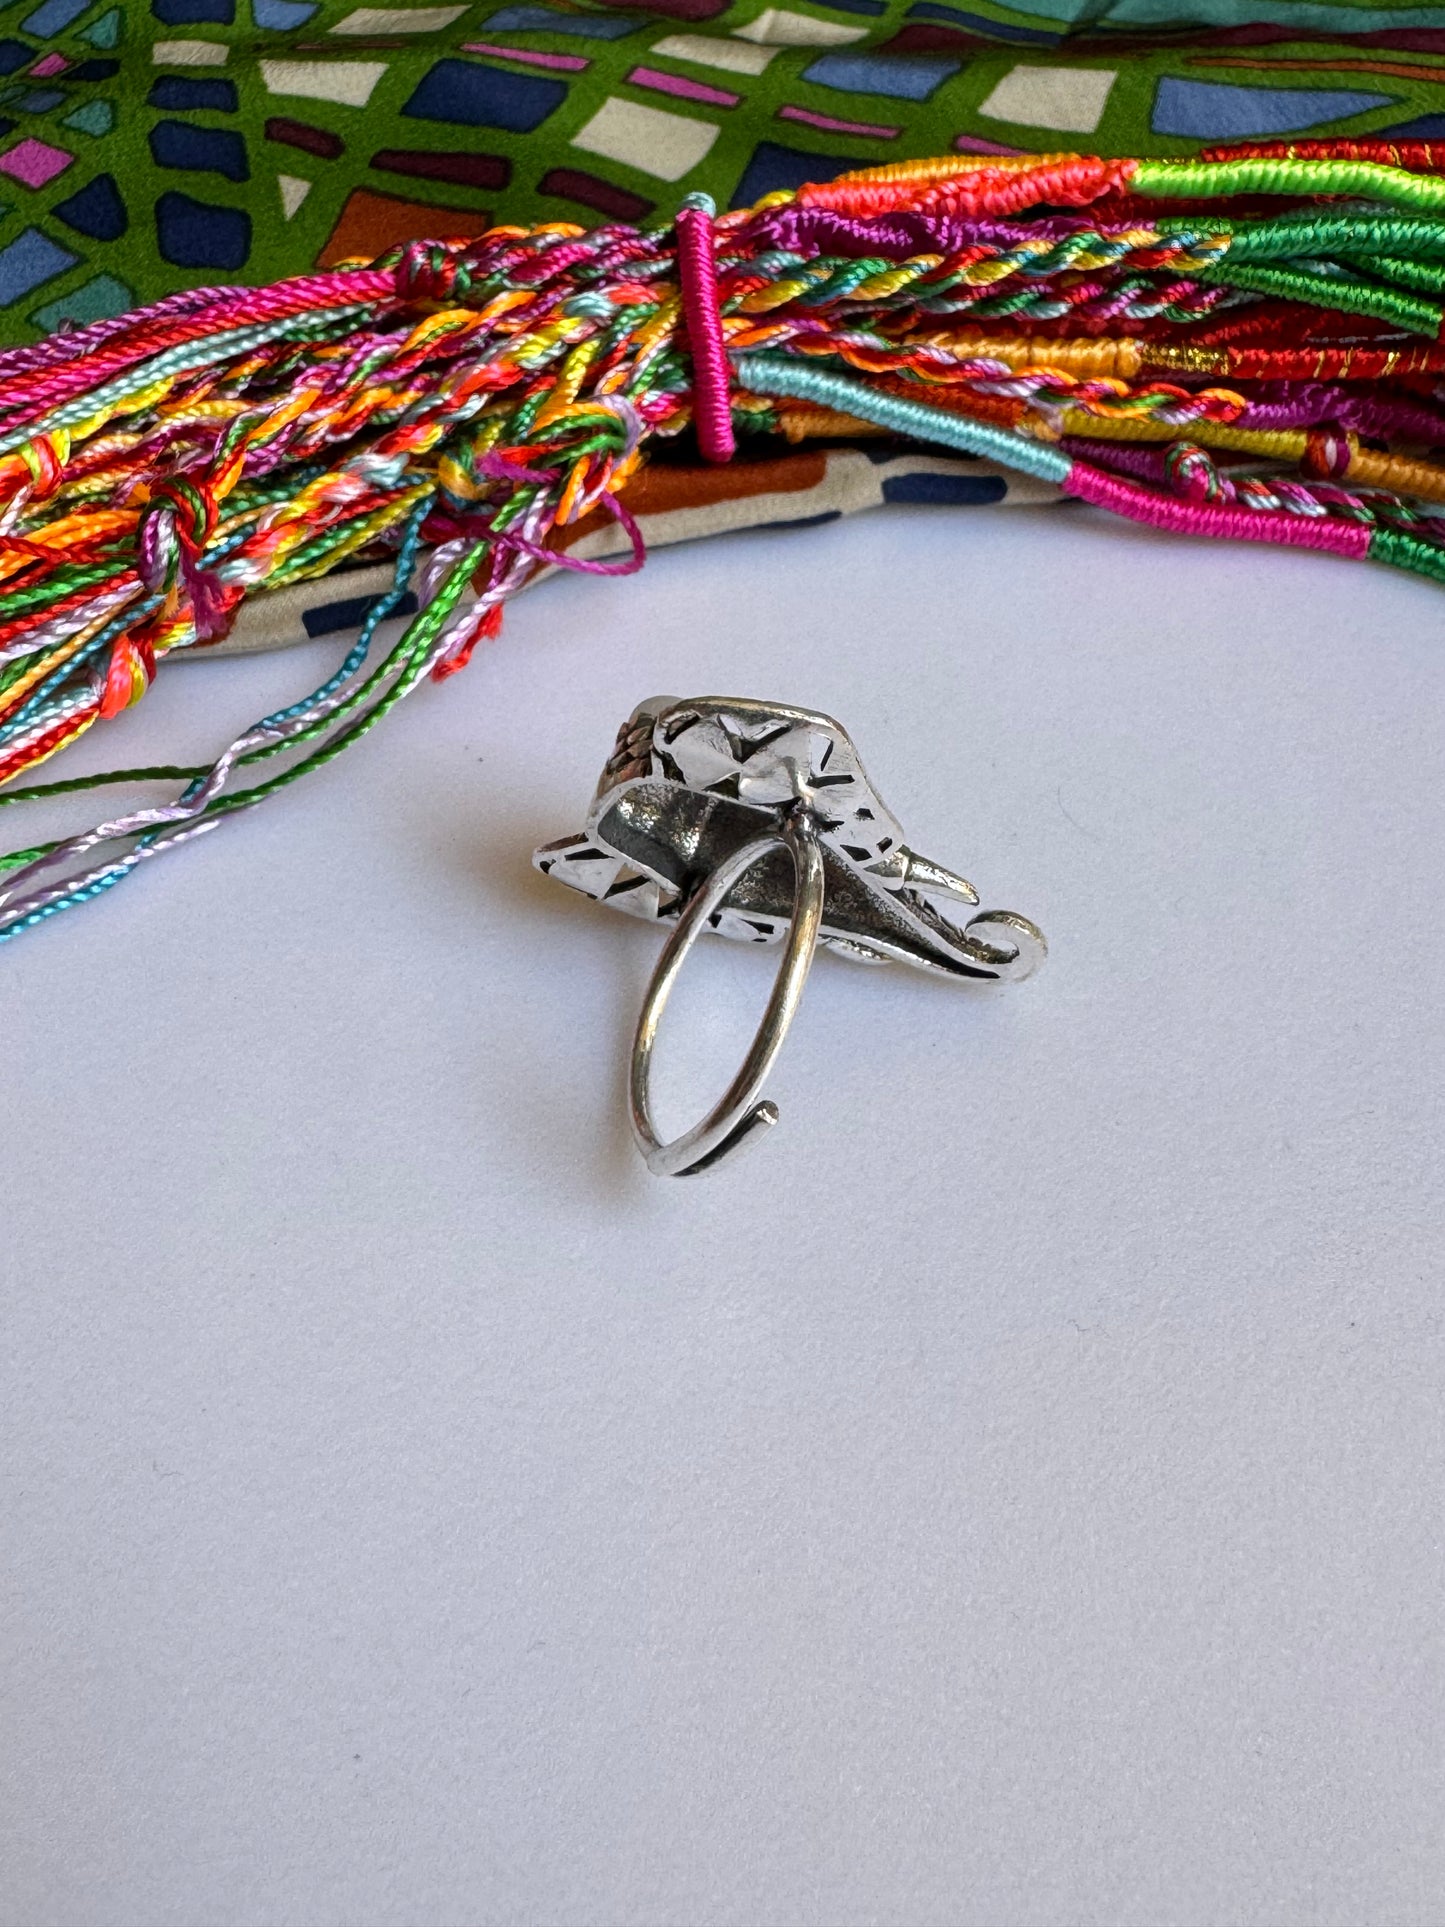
x: 1248, y: 345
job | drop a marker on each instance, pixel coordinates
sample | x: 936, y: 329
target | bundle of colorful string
x: 1245, y: 345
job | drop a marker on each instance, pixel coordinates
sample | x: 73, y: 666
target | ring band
x: 738, y: 1113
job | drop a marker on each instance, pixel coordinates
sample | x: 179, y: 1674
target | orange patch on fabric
x: 371, y: 223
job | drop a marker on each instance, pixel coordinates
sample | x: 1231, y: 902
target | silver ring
x: 756, y: 821
x: 738, y: 1114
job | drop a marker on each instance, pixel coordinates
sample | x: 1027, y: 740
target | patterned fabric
x: 676, y: 502
x: 150, y: 145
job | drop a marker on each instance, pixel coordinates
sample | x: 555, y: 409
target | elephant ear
x: 604, y: 876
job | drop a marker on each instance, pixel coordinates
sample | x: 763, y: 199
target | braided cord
x: 1118, y: 328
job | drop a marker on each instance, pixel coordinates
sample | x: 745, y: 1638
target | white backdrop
x: 1010, y: 1496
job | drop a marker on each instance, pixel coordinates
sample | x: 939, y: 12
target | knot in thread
x: 174, y: 535
x: 129, y: 672
x: 192, y: 508
x: 430, y: 271
x: 1191, y: 472
x: 45, y: 458
x: 1327, y: 454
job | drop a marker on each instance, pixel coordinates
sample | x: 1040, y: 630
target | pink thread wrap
x: 697, y: 275
x: 1127, y: 498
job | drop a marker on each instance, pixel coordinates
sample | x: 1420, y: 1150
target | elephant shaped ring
x: 756, y: 820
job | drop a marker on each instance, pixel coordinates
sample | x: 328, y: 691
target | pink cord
x: 697, y: 272
x: 113, y: 347
x: 1091, y: 484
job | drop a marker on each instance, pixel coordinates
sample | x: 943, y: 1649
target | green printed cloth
x: 152, y: 145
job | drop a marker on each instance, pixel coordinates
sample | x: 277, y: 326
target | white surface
x: 1010, y: 1497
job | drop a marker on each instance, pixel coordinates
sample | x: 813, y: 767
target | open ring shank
x: 737, y: 1113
